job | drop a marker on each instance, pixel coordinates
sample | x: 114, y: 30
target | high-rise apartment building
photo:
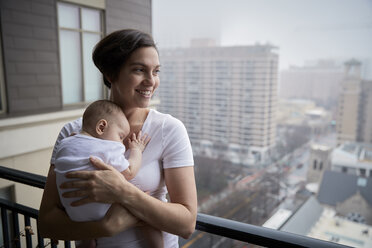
x: 355, y: 106
x: 226, y: 97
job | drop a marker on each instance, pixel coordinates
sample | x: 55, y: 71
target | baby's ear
x: 101, y: 126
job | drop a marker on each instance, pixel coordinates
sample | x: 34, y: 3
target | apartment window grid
x: 80, y: 28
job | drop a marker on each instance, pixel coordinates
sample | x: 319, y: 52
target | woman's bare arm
x: 177, y: 217
x: 54, y: 223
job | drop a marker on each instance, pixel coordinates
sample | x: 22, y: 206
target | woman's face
x: 137, y: 79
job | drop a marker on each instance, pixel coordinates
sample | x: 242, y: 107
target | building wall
x: 354, y: 121
x: 35, y: 114
x: 26, y: 144
x: 356, y: 204
x: 226, y: 96
x: 319, y: 162
x: 365, y: 117
x: 319, y: 82
x: 348, y: 111
x: 31, y: 52
x: 37, y: 162
x: 30, y: 55
x: 128, y: 14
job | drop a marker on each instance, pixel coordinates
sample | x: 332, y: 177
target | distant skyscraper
x: 226, y: 96
x: 355, y: 106
x: 319, y: 82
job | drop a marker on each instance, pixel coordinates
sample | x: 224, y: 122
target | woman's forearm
x: 169, y: 217
x: 54, y: 223
x: 179, y: 215
x: 57, y: 225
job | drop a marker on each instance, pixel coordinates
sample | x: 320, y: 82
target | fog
x: 302, y: 29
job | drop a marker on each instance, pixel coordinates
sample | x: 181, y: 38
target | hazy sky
x: 302, y: 29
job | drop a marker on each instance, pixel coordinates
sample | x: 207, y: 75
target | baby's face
x: 117, y: 129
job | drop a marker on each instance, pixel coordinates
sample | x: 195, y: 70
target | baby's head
x: 104, y: 119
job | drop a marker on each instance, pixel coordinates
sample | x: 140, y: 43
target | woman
x: 129, y: 62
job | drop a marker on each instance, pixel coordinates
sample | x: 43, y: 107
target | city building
x: 317, y: 81
x: 300, y: 112
x: 47, y: 77
x: 319, y: 161
x: 353, y: 158
x: 315, y: 220
x: 226, y: 97
x: 354, y: 120
x: 347, y: 194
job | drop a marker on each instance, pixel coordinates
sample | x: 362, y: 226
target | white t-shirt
x: 169, y: 147
x: 73, y: 154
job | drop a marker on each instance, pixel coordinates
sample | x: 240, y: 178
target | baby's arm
x: 137, y: 145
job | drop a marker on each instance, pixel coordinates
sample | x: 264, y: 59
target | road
x: 250, y: 205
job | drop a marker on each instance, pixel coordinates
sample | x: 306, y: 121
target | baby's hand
x: 139, y: 141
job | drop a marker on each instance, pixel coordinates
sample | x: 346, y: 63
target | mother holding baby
x: 129, y: 62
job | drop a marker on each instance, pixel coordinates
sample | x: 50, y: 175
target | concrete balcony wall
x: 26, y: 144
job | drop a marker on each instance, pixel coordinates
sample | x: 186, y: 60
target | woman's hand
x: 104, y: 185
x: 118, y: 219
x: 54, y: 223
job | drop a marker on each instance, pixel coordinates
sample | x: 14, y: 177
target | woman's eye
x: 156, y: 72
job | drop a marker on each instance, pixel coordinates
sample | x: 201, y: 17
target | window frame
x: 81, y: 32
x: 3, y: 102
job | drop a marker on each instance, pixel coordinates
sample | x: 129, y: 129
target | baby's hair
x: 101, y: 109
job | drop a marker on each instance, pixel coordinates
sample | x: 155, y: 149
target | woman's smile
x: 145, y: 93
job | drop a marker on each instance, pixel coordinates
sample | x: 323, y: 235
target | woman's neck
x: 136, y: 116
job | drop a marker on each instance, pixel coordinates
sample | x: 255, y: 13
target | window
x: 362, y: 172
x: 80, y: 29
x: 258, y: 85
x: 2, y: 85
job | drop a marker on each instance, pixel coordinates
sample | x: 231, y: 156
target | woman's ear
x: 109, y: 79
x: 101, y: 126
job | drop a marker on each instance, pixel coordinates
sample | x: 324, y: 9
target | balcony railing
x: 251, y: 234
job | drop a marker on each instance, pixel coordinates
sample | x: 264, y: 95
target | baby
x: 103, y: 131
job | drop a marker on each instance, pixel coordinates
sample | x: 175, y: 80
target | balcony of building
x: 19, y: 228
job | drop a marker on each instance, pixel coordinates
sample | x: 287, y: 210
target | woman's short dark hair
x: 114, y: 50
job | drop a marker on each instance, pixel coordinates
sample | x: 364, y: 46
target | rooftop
x: 340, y: 230
x: 336, y: 187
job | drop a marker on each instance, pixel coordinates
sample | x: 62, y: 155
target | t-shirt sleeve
x: 66, y: 131
x: 177, y: 151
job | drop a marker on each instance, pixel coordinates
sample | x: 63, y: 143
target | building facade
x: 354, y: 120
x: 353, y: 158
x: 47, y: 76
x: 226, y: 96
x: 319, y: 82
x: 319, y: 161
x: 349, y: 195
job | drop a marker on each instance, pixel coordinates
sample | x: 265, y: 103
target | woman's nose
x: 150, y: 79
